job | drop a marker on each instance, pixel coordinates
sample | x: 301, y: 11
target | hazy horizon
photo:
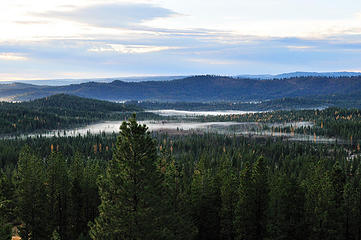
x: 139, y: 78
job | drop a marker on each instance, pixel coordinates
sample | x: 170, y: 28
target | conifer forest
x: 138, y: 184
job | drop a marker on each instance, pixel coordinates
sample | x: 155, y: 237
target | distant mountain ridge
x: 301, y: 74
x: 63, y: 82
x: 192, y: 89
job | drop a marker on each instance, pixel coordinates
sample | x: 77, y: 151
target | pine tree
x: 6, y: 206
x: 176, y: 217
x: 229, y: 198
x: 91, y: 198
x: 244, y: 212
x: 129, y: 190
x: 352, y: 196
x: 5, y: 230
x: 55, y: 235
x: 251, y: 211
x: 286, y: 210
x: 320, y: 196
x: 260, y: 181
x: 350, y: 211
x: 339, y: 225
x: 206, y: 202
x: 31, y: 196
x: 77, y: 220
x: 58, y: 194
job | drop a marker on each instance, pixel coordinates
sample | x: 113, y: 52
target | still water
x: 179, y: 127
x: 113, y: 127
x: 180, y: 113
x: 187, y: 125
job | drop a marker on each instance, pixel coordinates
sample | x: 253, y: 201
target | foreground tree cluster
x: 186, y: 187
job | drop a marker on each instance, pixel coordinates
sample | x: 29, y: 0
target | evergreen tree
x: 286, y: 210
x: 5, y: 230
x: 244, y: 210
x: 320, y: 196
x: 91, y: 199
x: 78, y: 222
x: 337, y: 212
x: 31, y: 197
x: 251, y: 212
x: 55, y: 235
x: 352, y: 207
x: 176, y: 216
x: 229, y: 198
x: 260, y: 181
x: 350, y: 219
x: 58, y: 194
x: 206, y: 202
x: 6, y: 206
x: 129, y: 190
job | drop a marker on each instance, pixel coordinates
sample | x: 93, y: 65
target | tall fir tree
x: 78, y: 223
x: 58, y: 194
x: 6, y: 206
x: 31, y: 196
x: 205, y: 201
x: 176, y: 215
x: 229, y: 198
x: 260, y: 181
x: 91, y: 198
x: 251, y: 211
x: 286, y: 210
x: 130, y: 190
x: 244, y: 212
x: 339, y: 209
x: 320, y: 196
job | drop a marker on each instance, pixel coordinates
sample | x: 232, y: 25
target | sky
x: 62, y: 39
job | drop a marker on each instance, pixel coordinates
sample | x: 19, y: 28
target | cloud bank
x: 82, y: 39
x: 116, y: 15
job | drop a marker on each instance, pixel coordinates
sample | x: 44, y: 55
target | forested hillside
x: 289, y: 103
x: 58, y: 112
x: 178, y: 187
x: 196, y: 88
x: 332, y: 122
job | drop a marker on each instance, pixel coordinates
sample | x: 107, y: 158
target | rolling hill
x: 193, y: 89
x: 301, y: 74
x: 58, y: 112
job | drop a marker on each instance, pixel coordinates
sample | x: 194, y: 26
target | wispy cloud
x: 114, y: 15
x: 130, y: 49
x: 300, y: 47
x: 213, y: 61
x: 8, y: 56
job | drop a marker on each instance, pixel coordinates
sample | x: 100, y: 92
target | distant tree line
x: 332, y: 122
x: 60, y: 112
